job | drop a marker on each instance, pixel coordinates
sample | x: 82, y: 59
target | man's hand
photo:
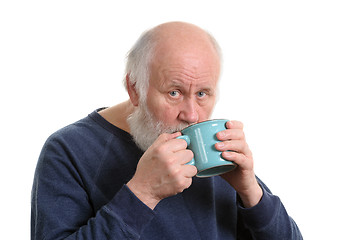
x: 235, y: 148
x: 161, y: 171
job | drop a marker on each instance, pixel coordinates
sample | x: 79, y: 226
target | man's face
x: 183, y: 77
x: 182, y: 91
x: 182, y: 87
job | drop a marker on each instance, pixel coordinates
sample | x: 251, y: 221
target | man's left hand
x: 235, y: 148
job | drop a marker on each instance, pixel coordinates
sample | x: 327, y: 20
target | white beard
x: 145, y: 129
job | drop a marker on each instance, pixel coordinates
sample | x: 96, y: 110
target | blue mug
x: 201, y: 138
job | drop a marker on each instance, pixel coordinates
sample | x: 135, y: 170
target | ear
x: 132, y: 92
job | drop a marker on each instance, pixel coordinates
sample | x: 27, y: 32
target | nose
x: 189, y: 112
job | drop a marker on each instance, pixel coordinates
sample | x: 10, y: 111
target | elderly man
x: 121, y: 172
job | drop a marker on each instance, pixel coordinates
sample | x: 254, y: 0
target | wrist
x: 142, y: 194
x: 252, y: 196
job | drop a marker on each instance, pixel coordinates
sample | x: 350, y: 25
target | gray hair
x: 138, y: 61
x: 139, y: 58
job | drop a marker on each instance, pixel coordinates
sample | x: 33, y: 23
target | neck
x: 118, y: 114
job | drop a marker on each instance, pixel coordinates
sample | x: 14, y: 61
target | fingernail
x: 226, y: 154
x: 221, y: 134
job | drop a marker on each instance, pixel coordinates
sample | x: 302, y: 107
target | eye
x: 174, y: 93
x: 201, y: 94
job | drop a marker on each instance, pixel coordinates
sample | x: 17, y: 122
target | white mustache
x: 145, y: 129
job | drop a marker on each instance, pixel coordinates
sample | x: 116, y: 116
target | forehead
x: 179, y: 76
x: 177, y: 67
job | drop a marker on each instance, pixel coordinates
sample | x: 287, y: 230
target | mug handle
x: 188, y: 140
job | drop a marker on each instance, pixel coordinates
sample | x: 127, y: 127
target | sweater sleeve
x: 61, y: 208
x: 268, y: 220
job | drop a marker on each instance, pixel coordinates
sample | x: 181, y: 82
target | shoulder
x: 73, y: 149
x: 80, y: 132
x: 74, y: 141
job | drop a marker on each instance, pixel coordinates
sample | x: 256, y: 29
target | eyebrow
x: 177, y: 84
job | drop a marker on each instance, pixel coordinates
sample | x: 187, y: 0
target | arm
x: 61, y: 208
x: 262, y: 213
x: 268, y: 219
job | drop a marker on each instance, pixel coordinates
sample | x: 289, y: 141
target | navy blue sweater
x: 79, y: 192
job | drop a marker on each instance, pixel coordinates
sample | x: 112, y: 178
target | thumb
x: 164, y: 137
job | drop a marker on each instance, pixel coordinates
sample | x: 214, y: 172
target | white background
x: 291, y: 75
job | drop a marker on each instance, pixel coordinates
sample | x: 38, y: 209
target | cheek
x: 206, y: 111
x: 169, y: 115
x: 205, y: 114
x: 163, y: 112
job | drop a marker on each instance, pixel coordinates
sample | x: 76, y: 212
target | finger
x: 234, y: 131
x: 239, y: 146
x: 187, y: 182
x: 164, y: 137
x: 234, y: 124
x: 169, y: 143
x: 184, y: 156
x: 229, y: 134
x: 189, y: 171
x: 177, y: 144
x: 240, y: 159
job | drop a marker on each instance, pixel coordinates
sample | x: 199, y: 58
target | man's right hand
x: 161, y: 171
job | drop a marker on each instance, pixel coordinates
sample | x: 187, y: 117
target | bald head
x: 180, y: 34
x: 176, y: 39
x: 168, y: 42
x: 178, y: 27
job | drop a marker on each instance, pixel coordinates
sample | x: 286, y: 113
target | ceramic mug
x: 201, y: 138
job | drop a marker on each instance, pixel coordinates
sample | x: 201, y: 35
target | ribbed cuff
x: 259, y: 216
x: 130, y: 210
